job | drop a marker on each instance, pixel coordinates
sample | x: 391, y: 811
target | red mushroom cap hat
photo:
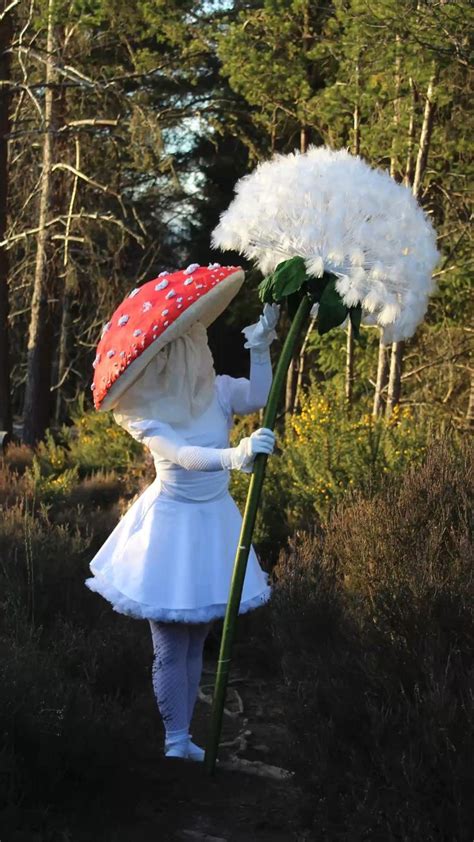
x: 151, y: 316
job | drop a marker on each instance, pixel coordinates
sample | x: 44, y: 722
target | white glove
x: 242, y: 457
x: 260, y: 335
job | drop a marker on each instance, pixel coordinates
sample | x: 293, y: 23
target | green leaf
x: 288, y: 277
x: 265, y: 290
x: 355, y: 315
x: 316, y: 286
x: 332, y: 310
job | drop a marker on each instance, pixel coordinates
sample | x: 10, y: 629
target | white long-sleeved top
x: 174, y: 448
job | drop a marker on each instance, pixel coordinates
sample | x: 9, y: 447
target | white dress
x: 170, y: 558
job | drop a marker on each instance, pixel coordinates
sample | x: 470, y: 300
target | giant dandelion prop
x: 336, y: 237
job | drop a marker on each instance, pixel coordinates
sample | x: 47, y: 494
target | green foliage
x: 97, y: 442
x: 266, y: 53
x: 288, y: 278
x: 49, y: 486
x: 373, y: 618
x: 332, y: 311
x: 325, y: 453
x: 94, y: 442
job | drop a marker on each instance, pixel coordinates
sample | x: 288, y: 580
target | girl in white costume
x: 170, y: 558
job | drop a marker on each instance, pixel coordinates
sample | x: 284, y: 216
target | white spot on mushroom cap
x: 137, y: 332
x: 166, y: 323
x: 165, y: 312
x: 134, y: 292
x: 147, y: 306
x: 93, y: 386
x: 123, y: 320
x: 180, y: 298
x: 105, y: 328
x: 170, y: 294
x: 96, y: 361
x: 161, y: 275
x: 111, y: 353
x: 214, y: 266
x: 191, y: 268
x: 161, y: 285
x: 122, y: 353
x: 188, y: 281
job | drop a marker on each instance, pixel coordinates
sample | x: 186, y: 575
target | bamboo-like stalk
x: 245, y: 539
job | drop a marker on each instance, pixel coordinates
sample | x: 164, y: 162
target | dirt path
x: 231, y: 806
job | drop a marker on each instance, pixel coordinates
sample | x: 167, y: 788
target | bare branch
x: 21, y: 50
x: 63, y: 378
x: 92, y: 121
x: 8, y: 9
x: 103, y: 187
x: 432, y: 364
x: 101, y: 217
x: 255, y: 767
x: 71, y: 203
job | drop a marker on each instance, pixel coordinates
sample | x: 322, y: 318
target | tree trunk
x: 470, y: 406
x: 395, y: 377
x: 37, y: 405
x: 396, y: 109
x: 350, y: 344
x: 350, y: 377
x: 382, y: 363
x: 296, y: 367
x: 290, y: 389
x: 426, y: 133
x: 396, y: 360
x: 60, y: 267
x: 63, y: 351
x: 381, y: 381
x: 6, y: 34
x: 302, y: 355
x: 410, y: 164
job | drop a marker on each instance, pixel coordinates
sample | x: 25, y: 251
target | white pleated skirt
x: 171, y: 556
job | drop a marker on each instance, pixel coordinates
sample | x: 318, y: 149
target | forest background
x: 123, y: 129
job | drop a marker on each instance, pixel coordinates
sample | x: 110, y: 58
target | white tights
x: 177, y: 668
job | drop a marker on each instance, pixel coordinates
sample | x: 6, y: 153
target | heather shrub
x: 374, y: 622
x: 101, y: 489
x: 71, y: 709
x: 43, y: 566
x: 18, y: 457
x: 70, y: 712
x: 13, y: 485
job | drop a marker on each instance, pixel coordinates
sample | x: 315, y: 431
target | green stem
x: 245, y: 540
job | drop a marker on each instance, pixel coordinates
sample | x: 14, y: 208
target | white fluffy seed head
x: 344, y: 217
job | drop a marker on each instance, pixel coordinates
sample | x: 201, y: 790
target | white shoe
x: 177, y: 745
x: 194, y: 751
x: 177, y: 751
